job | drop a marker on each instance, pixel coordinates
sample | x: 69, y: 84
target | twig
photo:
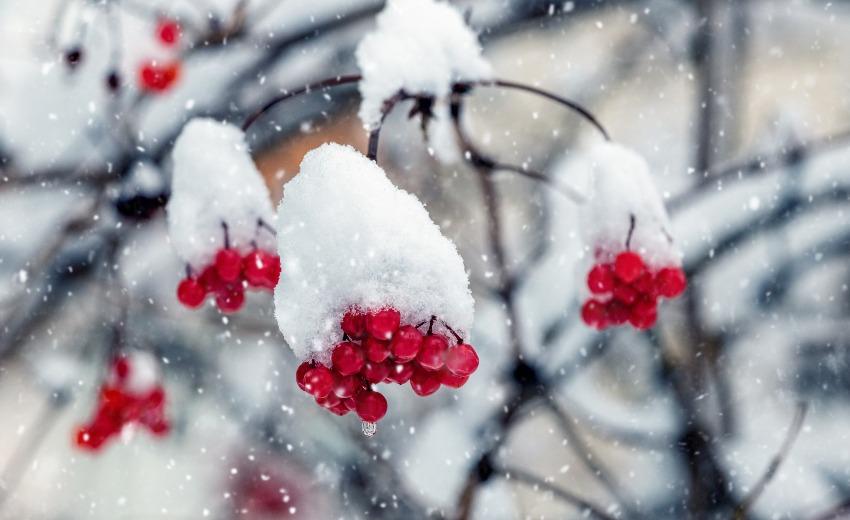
x: 770, y: 472
x: 582, y: 504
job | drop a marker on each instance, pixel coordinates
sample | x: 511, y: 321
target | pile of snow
x: 419, y: 46
x: 215, y: 181
x: 348, y: 237
x: 618, y: 186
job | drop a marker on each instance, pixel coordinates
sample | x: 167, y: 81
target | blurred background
x: 735, y: 405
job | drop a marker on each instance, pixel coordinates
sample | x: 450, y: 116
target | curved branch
x: 317, y: 85
x: 580, y: 503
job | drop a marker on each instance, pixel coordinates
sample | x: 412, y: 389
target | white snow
x: 419, y: 46
x: 618, y: 185
x: 348, y: 237
x: 215, y: 181
x: 144, y: 372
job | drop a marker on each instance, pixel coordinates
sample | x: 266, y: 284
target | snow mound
x: 619, y: 187
x: 419, y: 46
x: 215, y: 182
x: 348, y: 237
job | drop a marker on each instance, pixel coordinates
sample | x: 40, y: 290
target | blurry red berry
x: 617, y: 312
x: 593, y: 314
x: 261, y: 268
x: 645, y: 284
x: 191, y: 293
x: 628, y: 266
x: 425, y: 382
x: 354, y: 324
x: 451, y: 380
x: 371, y: 406
x: 383, y: 323
x: 671, y: 282
x: 347, y: 358
x: 643, y: 314
x: 228, y: 264
x: 230, y: 299
x: 462, y: 360
x: 319, y: 381
x: 406, y: 343
x: 625, y: 293
x: 375, y: 372
x: 158, y: 77
x: 400, y: 373
x: 376, y: 350
x: 168, y: 31
x: 210, y: 281
x: 121, y: 367
x: 600, y: 279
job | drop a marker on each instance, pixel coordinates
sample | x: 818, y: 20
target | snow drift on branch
x: 619, y: 186
x: 215, y: 181
x: 419, y: 46
x: 348, y: 237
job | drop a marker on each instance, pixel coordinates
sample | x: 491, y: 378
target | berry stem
x: 632, y: 222
x: 455, y: 334
x: 265, y: 225
x: 226, y: 235
x: 375, y: 134
x: 431, y: 325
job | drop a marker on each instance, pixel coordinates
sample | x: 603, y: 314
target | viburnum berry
x: 447, y: 378
x: 600, y: 279
x: 375, y: 372
x: 228, y: 264
x: 371, y: 406
x: 406, y: 343
x: 670, y: 282
x: 400, y: 373
x: 168, y: 31
x: 425, y: 382
x: 383, y: 323
x: 191, y: 293
x: 354, y: 324
x: 593, y: 313
x: 432, y: 355
x: 230, y: 299
x: 346, y: 386
x: 628, y: 266
x: 261, y: 269
x: 462, y: 360
x: 348, y: 358
x: 300, y: 372
x: 158, y: 77
x: 624, y: 293
x: 643, y: 313
x: 319, y: 381
x: 376, y: 350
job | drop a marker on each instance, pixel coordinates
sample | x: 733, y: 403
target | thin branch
x: 775, y: 462
x: 582, y: 504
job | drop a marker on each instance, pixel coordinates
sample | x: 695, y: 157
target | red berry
x: 158, y: 77
x: 354, y: 324
x: 168, y: 31
x: 371, y: 406
x: 617, y: 312
x: 452, y: 380
x: 261, y: 269
x: 228, y: 264
x: 600, y: 279
x: 401, y: 373
x: 462, y: 360
x: 350, y: 404
x: 671, y: 282
x: 347, y: 358
x: 645, y: 285
x: 319, y: 381
x: 628, y: 266
x: 121, y: 367
x: 643, y: 314
x: 346, y: 386
x: 300, y: 372
x: 375, y: 372
x: 383, y: 324
x: 432, y: 355
x: 210, y: 281
x: 625, y: 293
x: 593, y: 314
x: 230, y: 299
x: 376, y: 350
x: 406, y: 343
x: 425, y: 382
x: 191, y: 293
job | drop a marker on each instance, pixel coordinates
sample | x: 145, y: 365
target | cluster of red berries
x: 120, y: 405
x: 627, y: 291
x: 227, y: 278
x: 156, y: 75
x: 378, y: 348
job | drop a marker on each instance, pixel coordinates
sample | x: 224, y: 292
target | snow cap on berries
x: 143, y: 373
x: 349, y: 238
x: 620, y: 187
x: 215, y: 181
x: 419, y: 46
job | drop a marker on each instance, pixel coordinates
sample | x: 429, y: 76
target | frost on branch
x: 625, y: 228
x: 349, y: 238
x: 220, y: 216
x: 419, y: 46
